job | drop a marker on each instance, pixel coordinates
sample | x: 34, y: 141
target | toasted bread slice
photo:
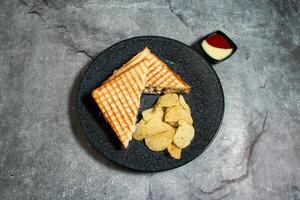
x: 160, y: 79
x: 119, y: 100
x: 131, y: 63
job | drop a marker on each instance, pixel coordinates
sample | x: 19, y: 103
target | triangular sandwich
x: 119, y: 100
x: 160, y: 79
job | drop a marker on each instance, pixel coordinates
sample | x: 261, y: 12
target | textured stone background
x: 45, y: 45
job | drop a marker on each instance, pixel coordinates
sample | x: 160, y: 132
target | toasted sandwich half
x: 160, y: 79
x: 119, y: 100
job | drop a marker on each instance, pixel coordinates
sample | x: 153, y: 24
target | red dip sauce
x: 219, y: 41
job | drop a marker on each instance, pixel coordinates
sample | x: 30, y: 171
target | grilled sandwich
x: 119, y: 100
x: 160, y: 79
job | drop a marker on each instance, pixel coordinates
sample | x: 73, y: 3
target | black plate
x: 206, y: 100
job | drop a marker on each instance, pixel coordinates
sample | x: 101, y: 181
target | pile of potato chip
x: 167, y: 125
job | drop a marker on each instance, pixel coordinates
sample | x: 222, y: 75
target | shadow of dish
x: 79, y: 133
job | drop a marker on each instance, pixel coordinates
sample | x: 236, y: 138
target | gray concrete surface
x: 46, y: 44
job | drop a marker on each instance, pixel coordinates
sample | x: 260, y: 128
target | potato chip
x: 174, y: 151
x: 174, y: 124
x: 184, y: 134
x: 181, y: 122
x: 175, y: 113
x: 140, y: 130
x: 150, y: 128
x: 152, y: 113
x: 167, y: 100
x: 142, y: 121
x: 159, y: 141
x: 184, y: 105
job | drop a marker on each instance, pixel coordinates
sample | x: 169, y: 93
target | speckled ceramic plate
x: 206, y: 100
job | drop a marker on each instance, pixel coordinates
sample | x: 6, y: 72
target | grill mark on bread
x: 123, y: 105
x: 108, y: 117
